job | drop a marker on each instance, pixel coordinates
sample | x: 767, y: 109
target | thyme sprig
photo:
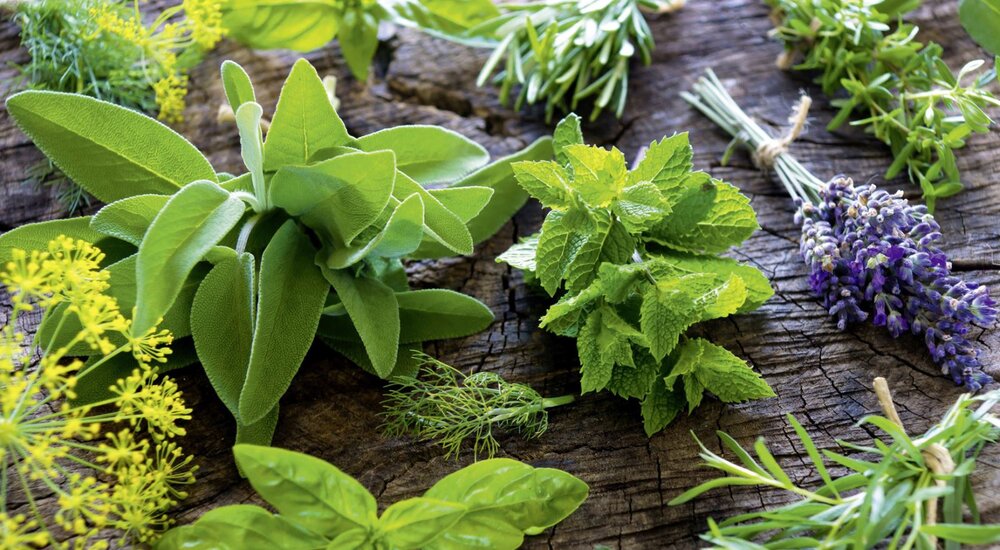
x: 441, y: 404
x: 897, y: 88
x: 891, y: 499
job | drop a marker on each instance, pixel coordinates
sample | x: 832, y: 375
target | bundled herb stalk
x: 893, y: 499
x: 441, y: 404
x: 635, y: 253
x: 870, y: 253
x: 563, y: 52
x: 900, y: 89
x: 490, y: 504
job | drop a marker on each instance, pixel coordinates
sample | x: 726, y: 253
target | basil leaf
x: 291, y: 295
x: 237, y: 85
x: 190, y: 224
x: 428, y: 154
x: 238, y: 527
x: 337, y: 198
x: 415, y: 522
x: 266, y: 24
x: 304, y: 120
x: 374, y: 312
x: 110, y: 151
x: 502, y: 493
x: 306, y: 490
x: 424, y: 315
x: 359, y: 40
x: 222, y: 317
x: 350, y: 540
x: 981, y: 19
x: 36, y: 236
x: 129, y: 218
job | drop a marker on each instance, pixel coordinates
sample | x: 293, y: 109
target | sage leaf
x: 190, y: 224
x: 424, y: 315
x: 337, y: 198
x: 260, y: 432
x: 292, y: 24
x: 222, y: 322
x: 129, y: 218
x: 291, y: 292
x: 306, y: 490
x: 304, y: 120
x: 374, y: 312
x: 428, y: 154
x: 236, y: 83
x: 37, y: 236
x: 441, y: 224
x: 239, y: 527
x: 110, y: 151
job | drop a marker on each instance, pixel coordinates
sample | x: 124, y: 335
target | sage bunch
x: 247, y: 271
x: 885, y: 80
x: 871, y: 254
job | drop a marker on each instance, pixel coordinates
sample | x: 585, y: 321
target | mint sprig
x: 634, y: 254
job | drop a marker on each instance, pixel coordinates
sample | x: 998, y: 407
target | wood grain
x: 821, y: 375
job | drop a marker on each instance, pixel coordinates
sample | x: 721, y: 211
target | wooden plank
x: 821, y: 375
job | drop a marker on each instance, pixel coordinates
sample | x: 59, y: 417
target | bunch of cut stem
x: 769, y: 153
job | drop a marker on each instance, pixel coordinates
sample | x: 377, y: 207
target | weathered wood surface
x: 821, y: 375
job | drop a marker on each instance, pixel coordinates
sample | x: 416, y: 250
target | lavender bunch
x: 871, y: 254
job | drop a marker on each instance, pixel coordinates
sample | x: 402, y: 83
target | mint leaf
x: 728, y: 377
x: 660, y: 407
x: 598, y: 174
x: 546, y: 181
x: 521, y: 255
x: 665, y: 164
x: 563, y: 317
x: 680, y: 263
x: 604, y: 341
x: 558, y: 244
x: 567, y: 133
x: 640, y: 206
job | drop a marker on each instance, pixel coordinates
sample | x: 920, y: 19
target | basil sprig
x: 249, y: 269
x: 490, y: 504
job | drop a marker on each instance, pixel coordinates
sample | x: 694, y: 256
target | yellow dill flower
x: 17, y: 532
x: 127, y: 481
x: 204, y: 18
x: 170, y: 92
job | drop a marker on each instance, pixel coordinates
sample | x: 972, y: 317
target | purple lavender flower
x: 871, y: 254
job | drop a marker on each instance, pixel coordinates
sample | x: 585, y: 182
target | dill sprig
x: 443, y: 405
x: 889, y: 499
x: 895, y: 87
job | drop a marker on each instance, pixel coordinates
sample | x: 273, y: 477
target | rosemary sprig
x: 890, y: 500
x: 564, y: 51
x: 899, y: 89
x: 448, y: 407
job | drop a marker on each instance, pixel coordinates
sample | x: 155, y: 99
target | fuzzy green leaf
x: 187, y: 227
x: 428, y: 154
x: 374, y: 310
x: 129, y: 218
x: 236, y: 84
x: 222, y: 319
x: 110, y: 151
x: 304, y: 120
x: 290, y: 296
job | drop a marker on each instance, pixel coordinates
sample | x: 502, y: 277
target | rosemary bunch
x: 443, y: 405
x: 901, y: 89
x: 890, y: 499
x: 561, y: 52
